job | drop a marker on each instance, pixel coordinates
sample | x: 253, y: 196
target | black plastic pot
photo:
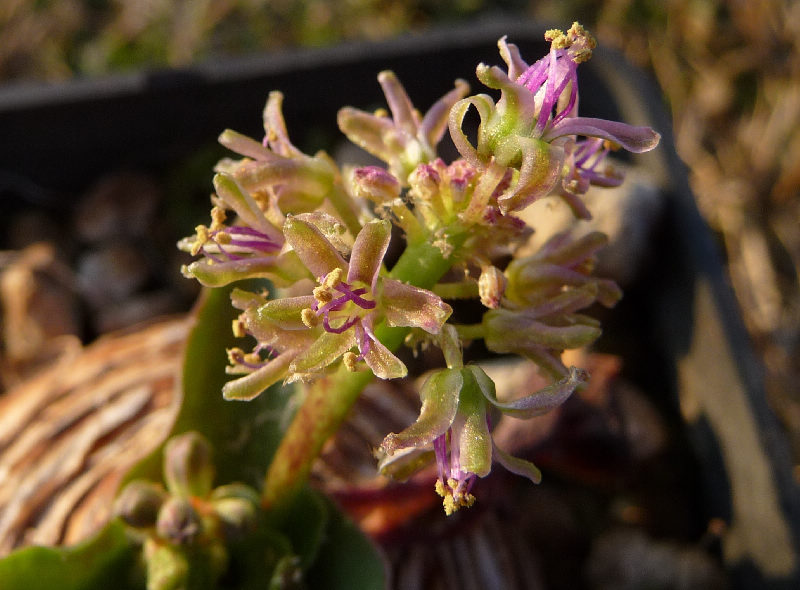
x: 685, y: 344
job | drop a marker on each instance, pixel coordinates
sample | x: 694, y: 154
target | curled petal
x: 406, y: 305
x: 510, y: 54
x: 484, y: 105
x: 404, y: 463
x: 439, y: 396
x: 435, y: 121
x: 368, y: 251
x: 634, y: 139
x: 516, y: 465
x: 316, y: 252
x: 538, y: 174
x: 543, y: 400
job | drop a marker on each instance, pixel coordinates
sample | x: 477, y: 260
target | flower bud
x: 375, y: 184
x: 139, y: 502
x: 167, y: 566
x: 491, y: 286
x: 237, y: 516
x: 237, y: 506
x: 188, y: 469
x: 178, y: 522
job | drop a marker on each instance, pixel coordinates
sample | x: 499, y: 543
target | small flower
x: 276, y: 169
x: 406, y: 139
x: 454, y: 421
x: 351, y: 299
x: 250, y: 247
x: 530, y: 127
x: 268, y: 362
x: 538, y: 316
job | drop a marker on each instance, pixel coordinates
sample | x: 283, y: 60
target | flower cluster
x: 337, y: 304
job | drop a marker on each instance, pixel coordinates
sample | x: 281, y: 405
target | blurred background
x: 729, y: 71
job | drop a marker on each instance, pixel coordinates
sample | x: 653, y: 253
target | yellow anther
x: 235, y: 355
x: 309, y: 318
x: 381, y: 112
x: 218, y: 217
x: 237, y: 327
x: 223, y: 237
x: 252, y: 358
x: 350, y: 360
x: 322, y: 294
x: 333, y: 278
x: 201, y: 238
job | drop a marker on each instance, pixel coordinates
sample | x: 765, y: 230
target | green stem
x: 329, y: 399
x: 470, y: 331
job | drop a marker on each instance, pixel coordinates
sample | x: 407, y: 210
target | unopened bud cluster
x: 187, y: 518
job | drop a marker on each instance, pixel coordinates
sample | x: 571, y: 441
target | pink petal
x: 316, y: 252
x: 383, y: 363
x: 368, y: 251
x: 406, y: 305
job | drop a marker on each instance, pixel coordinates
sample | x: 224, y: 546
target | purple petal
x: 634, y: 139
x: 403, y: 113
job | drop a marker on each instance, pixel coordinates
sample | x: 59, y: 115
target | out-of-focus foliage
x: 57, y: 39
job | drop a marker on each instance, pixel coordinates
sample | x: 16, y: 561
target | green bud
x: 188, y: 469
x: 237, y: 517
x: 178, y: 522
x: 167, y: 566
x: 139, y: 502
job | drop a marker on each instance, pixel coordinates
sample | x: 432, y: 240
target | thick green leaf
x: 347, y: 558
x: 106, y: 561
x: 304, y: 521
x: 244, y: 435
